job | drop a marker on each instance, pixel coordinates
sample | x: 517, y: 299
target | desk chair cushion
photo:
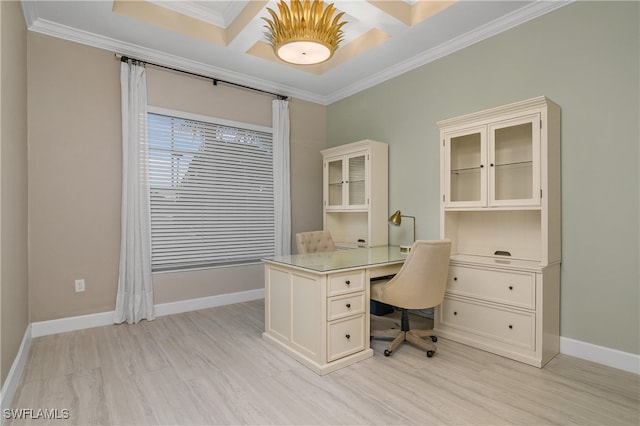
x: 314, y: 242
x: 420, y: 284
x: 421, y: 281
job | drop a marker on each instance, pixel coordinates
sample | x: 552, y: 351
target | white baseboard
x: 45, y: 328
x: 62, y: 325
x: 600, y: 354
x: 15, y: 373
x: 208, y: 302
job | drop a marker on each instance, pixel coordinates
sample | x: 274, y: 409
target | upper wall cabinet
x: 355, y: 193
x: 492, y: 162
x: 500, y: 181
x: 346, y: 183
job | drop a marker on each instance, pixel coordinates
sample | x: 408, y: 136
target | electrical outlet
x: 79, y: 285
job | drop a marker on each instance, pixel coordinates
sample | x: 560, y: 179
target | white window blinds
x: 211, y: 193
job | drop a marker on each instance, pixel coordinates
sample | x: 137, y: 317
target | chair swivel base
x: 406, y: 334
x: 415, y: 337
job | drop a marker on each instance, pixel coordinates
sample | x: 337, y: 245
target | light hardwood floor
x: 213, y: 367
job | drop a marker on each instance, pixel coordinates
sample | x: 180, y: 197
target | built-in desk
x: 317, y: 305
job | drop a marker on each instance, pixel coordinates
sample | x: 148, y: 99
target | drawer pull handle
x: 348, y: 336
x: 510, y: 287
x: 349, y: 305
x: 347, y: 282
x: 510, y: 327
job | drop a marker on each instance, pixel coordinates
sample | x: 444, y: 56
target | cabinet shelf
x: 465, y: 170
x: 351, y: 181
x: 516, y: 164
x: 503, y: 165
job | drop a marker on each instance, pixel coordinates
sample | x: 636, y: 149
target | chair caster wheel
x: 387, y: 352
x: 434, y: 338
x: 430, y: 354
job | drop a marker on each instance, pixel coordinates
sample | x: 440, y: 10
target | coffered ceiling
x: 225, y: 39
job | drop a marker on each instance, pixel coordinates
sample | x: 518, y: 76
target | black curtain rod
x: 215, y: 80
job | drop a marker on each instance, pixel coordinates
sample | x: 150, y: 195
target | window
x: 211, y: 191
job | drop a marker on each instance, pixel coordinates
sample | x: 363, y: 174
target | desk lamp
x: 396, y: 219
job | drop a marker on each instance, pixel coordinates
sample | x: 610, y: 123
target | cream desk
x: 317, y: 305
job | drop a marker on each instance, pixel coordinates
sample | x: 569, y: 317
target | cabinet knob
x: 349, y: 305
x: 455, y: 278
x: 510, y: 327
x: 347, y: 282
x: 348, y: 336
x: 510, y: 287
x: 455, y: 313
x: 491, y: 164
x: 481, y: 166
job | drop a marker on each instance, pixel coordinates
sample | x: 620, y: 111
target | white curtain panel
x: 134, y: 301
x: 282, y: 196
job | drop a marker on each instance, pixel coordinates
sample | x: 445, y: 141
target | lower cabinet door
x: 345, y: 337
x: 509, y: 326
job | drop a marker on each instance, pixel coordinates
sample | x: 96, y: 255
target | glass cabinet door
x: 465, y: 177
x: 356, y: 182
x: 514, y: 152
x: 334, y: 182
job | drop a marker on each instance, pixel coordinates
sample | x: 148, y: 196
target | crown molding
x: 193, y: 10
x: 30, y: 11
x: 520, y: 16
x: 198, y: 10
x: 527, y: 13
x: 145, y: 54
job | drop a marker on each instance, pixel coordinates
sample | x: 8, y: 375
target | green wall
x: 585, y: 57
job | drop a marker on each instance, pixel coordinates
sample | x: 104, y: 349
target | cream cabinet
x: 500, y: 207
x: 321, y: 319
x: 317, y: 304
x: 355, y: 179
x: 345, y: 315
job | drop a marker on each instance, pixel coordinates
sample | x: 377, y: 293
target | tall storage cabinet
x: 355, y: 205
x: 500, y: 207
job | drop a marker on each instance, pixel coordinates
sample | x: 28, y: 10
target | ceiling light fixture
x: 306, y: 34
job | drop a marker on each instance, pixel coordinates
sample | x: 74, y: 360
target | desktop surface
x: 342, y: 259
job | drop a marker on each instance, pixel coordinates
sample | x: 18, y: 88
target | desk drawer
x: 346, y: 283
x: 344, y: 306
x: 512, y: 288
x: 345, y: 337
x: 512, y: 327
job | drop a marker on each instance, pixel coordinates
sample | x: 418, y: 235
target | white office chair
x: 420, y: 284
x: 314, y: 242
